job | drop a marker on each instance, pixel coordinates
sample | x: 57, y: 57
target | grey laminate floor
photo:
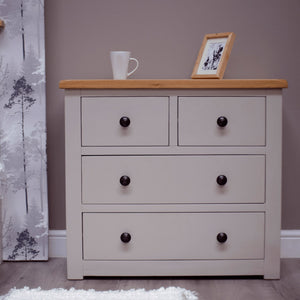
x: 52, y: 274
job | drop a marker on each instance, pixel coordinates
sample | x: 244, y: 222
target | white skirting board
x: 57, y: 243
x: 290, y: 243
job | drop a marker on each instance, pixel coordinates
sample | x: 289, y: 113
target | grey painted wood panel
x: 173, y: 179
x: 198, y: 121
x: 273, y: 185
x: 181, y: 268
x: 169, y: 236
x: 73, y: 184
x: 149, y: 124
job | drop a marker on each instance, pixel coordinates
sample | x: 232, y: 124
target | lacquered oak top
x: 174, y: 84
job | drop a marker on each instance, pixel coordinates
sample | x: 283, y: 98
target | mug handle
x: 137, y: 65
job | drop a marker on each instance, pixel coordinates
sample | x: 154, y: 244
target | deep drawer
x: 147, y: 122
x: 173, y: 179
x: 221, y: 121
x: 170, y: 236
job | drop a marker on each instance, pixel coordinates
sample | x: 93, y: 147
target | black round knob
x: 124, y: 121
x: 124, y: 180
x: 222, y: 121
x: 222, y: 237
x: 125, y: 237
x: 221, y: 179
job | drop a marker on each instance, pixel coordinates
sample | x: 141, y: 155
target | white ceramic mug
x: 120, y: 61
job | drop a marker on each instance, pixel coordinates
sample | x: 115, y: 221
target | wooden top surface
x: 174, y: 84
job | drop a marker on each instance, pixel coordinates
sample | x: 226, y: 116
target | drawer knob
x: 125, y: 237
x: 222, y: 121
x: 221, y: 180
x: 222, y: 237
x: 124, y: 180
x: 124, y: 121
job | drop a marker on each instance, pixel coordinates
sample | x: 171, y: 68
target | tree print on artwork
x: 22, y: 28
x: 3, y: 77
x: 23, y: 161
x: 37, y: 222
x: 15, y: 19
x: 214, y: 54
x: 21, y: 97
x: 36, y: 147
x: 25, y: 247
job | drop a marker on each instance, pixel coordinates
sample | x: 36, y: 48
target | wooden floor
x: 52, y: 274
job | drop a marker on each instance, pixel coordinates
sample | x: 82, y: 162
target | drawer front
x: 199, y: 118
x: 173, y: 236
x: 173, y: 179
x: 148, y: 121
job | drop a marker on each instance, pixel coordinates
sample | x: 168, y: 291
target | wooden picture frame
x: 213, y: 55
x: 2, y: 24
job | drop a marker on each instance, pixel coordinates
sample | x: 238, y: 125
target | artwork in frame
x: 23, y: 159
x: 213, y: 55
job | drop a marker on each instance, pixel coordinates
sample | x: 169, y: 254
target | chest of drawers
x: 173, y: 177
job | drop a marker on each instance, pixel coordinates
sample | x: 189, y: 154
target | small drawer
x: 125, y: 121
x: 173, y: 179
x: 221, y: 121
x: 167, y: 236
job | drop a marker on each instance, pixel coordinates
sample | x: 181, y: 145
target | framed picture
x: 213, y: 55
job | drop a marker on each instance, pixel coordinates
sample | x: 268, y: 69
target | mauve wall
x: 165, y: 35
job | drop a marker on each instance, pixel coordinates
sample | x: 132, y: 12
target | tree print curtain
x: 23, y: 178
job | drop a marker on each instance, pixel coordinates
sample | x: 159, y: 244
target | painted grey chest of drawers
x: 173, y: 177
